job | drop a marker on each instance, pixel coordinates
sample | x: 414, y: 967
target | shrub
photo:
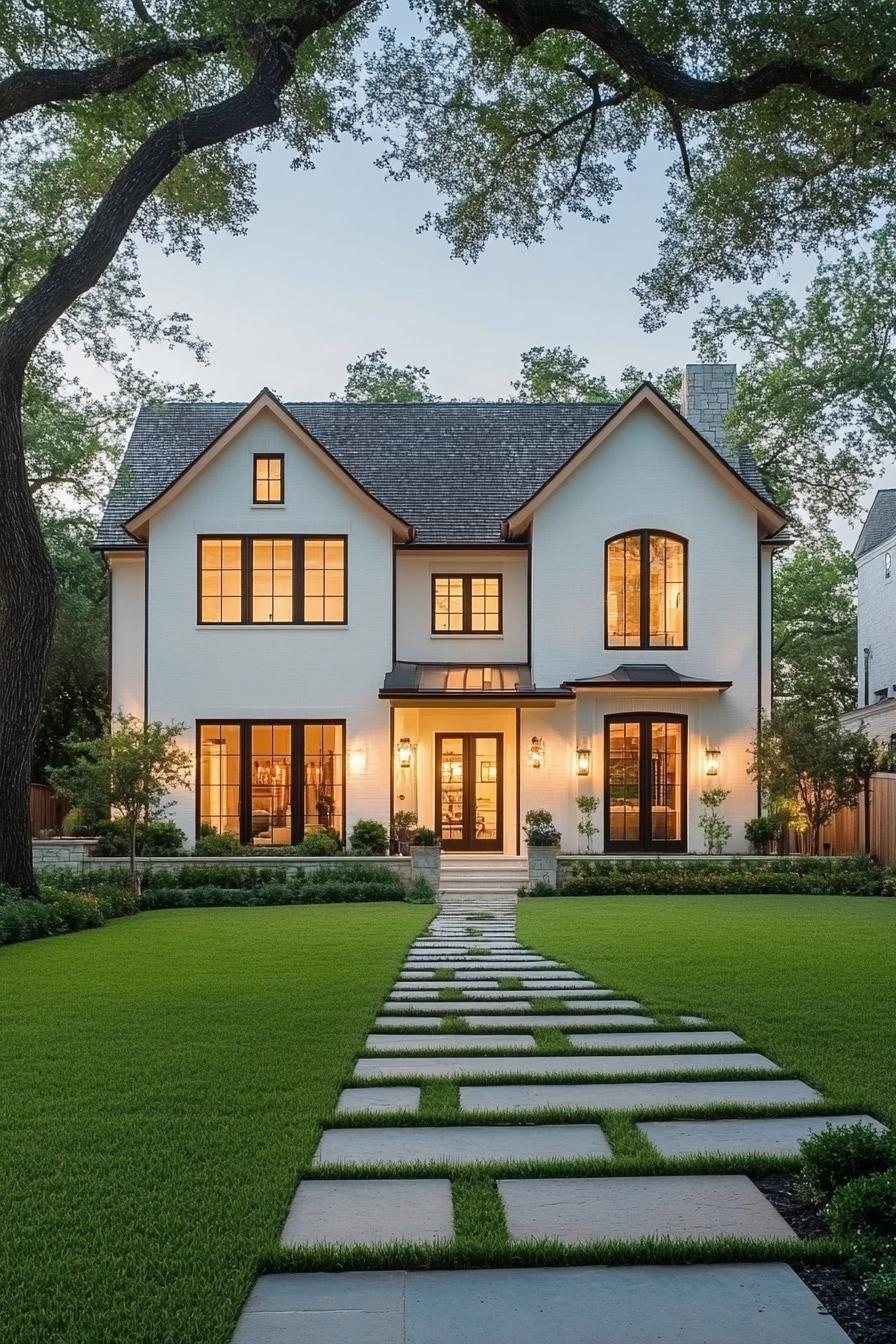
x: 540, y: 828
x: 322, y: 842
x: 115, y: 900
x: 420, y: 892
x: 350, y: 872
x: 837, y: 1156
x: 881, y: 1286
x: 369, y: 837
x: 865, y: 1207
x: 271, y: 893
x: 538, y: 889
x: 716, y: 831
x: 857, y: 875
x: 760, y: 832
x: 214, y: 845
x: 153, y: 838
x: 424, y: 836
x: 76, y: 822
x: 77, y: 911
x: 22, y: 920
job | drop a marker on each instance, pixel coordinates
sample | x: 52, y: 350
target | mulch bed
x: 837, y: 1290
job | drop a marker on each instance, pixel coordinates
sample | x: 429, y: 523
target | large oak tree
x: 116, y: 116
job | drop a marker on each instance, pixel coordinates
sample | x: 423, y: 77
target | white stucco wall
x: 877, y: 620
x: 264, y: 672
x: 126, y: 630
x: 415, y: 642
x: 646, y: 476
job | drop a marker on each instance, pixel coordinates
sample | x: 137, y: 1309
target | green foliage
x: 421, y: 892
x: 539, y: 828
x: 587, y: 804
x: 540, y: 889
x: 319, y: 844
x: 814, y: 628
x: 62, y: 910
x: 372, y: 378
x: 761, y: 832
x: 211, y: 845
x: 820, y: 764
x: 369, y: 837
x: 716, y: 831
x: 159, y: 897
x: 866, y: 1207
x: 153, y: 838
x: 557, y: 373
x: 424, y: 836
x: 837, y: 1156
x: 403, y: 823
x: 857, y: 875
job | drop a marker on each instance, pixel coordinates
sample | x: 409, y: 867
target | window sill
x: 272, y: 625
x: 265, y: 507
x: 468, y: 634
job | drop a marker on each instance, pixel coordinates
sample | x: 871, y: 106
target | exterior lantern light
x: 405, y: 752
x: 357, y: 759
x: 713, y: 757
x: 583, y: 760
x: 536, y: 753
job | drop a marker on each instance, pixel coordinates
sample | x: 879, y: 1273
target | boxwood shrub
x: 271, y: 893
x: 841, y: 1154
x: 857, y: 875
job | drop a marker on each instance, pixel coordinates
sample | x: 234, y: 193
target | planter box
x: 543, y: 864
x: 63, y: 853
x: 426, y: 862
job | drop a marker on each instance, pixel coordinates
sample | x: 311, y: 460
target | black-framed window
x: 467, y: 604
x: 645, y: 782
x: 272, y: 580
x: 267, y: 478
x: 270, y: 782
x: 645, y: 591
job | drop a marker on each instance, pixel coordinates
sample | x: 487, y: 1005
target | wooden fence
x: 47, y: 810
x: 845, y: 834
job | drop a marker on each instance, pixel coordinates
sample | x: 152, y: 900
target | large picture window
x: 271, y: 783
x: 273, y: 580
x: 466, y: 604
x: 646, y: 591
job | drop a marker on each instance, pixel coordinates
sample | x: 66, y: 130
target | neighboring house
x: 875, y: 557
x: 463, y: 610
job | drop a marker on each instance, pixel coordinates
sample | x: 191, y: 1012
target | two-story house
x: 875, y: 557
x: 461, y: 610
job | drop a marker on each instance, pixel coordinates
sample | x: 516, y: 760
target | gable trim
x: 136, y: 525
x: 516, y: 523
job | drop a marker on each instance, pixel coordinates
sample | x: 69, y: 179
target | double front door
x: 645, y: 773
x: 470, y: 790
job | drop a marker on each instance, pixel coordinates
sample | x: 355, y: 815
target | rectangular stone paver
x: 778, y: 1136
x: 529, y: 1097
x: 378, y: 1100
x: 463, y: 1144
x: 450, y: 1041
x: 628, y: 1304
x: 547, y: 1065
x: 474, y: 1005
x: 369, y: 1213
x: 573, y: 1210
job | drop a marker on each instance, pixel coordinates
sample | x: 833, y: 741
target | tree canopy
x: 814, y: 631
x: 372, y: 378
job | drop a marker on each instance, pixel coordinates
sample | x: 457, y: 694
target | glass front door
x: 469, y: 790
x: 645, y: 763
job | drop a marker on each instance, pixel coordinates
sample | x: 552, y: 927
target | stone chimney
x: 707, y: 395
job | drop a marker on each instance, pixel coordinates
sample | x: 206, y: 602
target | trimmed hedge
x: 250, y: 877
x: 857, y: 875
x: 60, y: 911
x: 272, y: 893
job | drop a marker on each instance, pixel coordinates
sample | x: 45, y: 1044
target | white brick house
x: 462, y: 610
x: 875, y: 557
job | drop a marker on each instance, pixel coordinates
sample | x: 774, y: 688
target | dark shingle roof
x: 880, y: 523
x: 452, y: 469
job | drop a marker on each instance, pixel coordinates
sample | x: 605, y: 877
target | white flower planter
x: 543, y: 864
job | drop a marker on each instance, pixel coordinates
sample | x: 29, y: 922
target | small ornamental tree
x: 716, y: 830
x: 821, y: 765
x: 587, y: 805
x: 128, y: 770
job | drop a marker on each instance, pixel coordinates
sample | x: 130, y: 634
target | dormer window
x: 645, y: 604
x: 267, y: 484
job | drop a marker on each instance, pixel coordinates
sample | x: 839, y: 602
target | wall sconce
x: 536, y: 753
x: 583, y: 760
x: 713, y: 757
x: 405, y: 752
x: 357, y: 760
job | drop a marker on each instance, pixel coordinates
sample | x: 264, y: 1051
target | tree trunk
x: 132, y: 853
x: 27, y: 619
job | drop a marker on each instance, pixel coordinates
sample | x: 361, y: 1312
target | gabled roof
x: 880, y: 523
x: 453, y: 470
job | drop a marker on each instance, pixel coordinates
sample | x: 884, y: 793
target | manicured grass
x: 807, y: 980
x: 162, y: 1082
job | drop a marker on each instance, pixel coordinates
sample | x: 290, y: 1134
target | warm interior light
x: 357, y: 760
x: 583, y: 760
x: 405, y: 751
x: 536, y: 753
x: 713, y: 757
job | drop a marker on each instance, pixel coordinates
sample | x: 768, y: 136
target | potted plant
x: 425, y: 856
x: 543, y: 846
x: 403, y: 824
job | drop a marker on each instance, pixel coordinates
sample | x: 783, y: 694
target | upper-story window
x: 281, y: 580
x: 646, y: 591
x: 466, y: 604
x: 267, y: 478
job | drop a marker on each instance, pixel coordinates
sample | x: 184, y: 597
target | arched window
x: 646, y: 591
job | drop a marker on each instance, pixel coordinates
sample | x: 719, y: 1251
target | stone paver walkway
x: 517, y: 1034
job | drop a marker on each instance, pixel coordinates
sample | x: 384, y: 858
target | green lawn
x: 809, y: 980
x: 162, y: 1081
